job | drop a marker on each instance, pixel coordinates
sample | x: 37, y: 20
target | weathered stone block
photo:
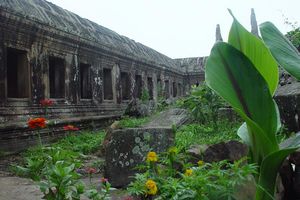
x: 288, y: 100
x: 128, y: 148
x: 231, y: 151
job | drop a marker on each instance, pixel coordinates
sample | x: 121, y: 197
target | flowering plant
x: 35, y: 123
x: 70, y: 128
x: 46, y: 102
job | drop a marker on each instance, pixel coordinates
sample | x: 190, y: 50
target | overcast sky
x: 180, y: 28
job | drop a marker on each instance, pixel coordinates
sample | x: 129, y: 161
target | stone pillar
x: 2, y: 72
x: 116, y: 86
x: 72, y: 79
x: 144, y: 81
x: 97, y: 81
x: 132, y: 81
x: 254, y: 27
x: 218, y: 34
x: 39, y: 64
x: 154, y: 80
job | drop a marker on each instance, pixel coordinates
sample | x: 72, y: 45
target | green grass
x: 205, y: 134
x: 85, y: 143
x: 131, y: 122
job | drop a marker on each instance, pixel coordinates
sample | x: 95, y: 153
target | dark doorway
x: 57, y: 77
x: 107, y: 84
x: 138, y: 86
x: 159, y: 88
x: 150, y: 87
x: 85, y: 81
x: 167, y: 88
x: 18, y: 79
x: 174, y: 89
x: 125, y: 85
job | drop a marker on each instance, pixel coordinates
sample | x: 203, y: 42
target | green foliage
x: 294, y: 37
x: 36, y: 161
x: 216, y: 181
x: 70, y: 150
x: 203, y: 104
x: 84, y: 143
x: 243, y: 72
x: 145, y: 96
x: 132, y: 122
x: 282, y: 49
x: 61, y: 182
x: 204, y: 134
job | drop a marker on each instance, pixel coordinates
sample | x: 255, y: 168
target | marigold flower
x: 37, y: 123
x: 70, y: 128
x: 151, y: 187
x: 152, y: 157
x: 46, y: 102
x: 91, y: 170
x: 188, y: 172
x: 200, y: 162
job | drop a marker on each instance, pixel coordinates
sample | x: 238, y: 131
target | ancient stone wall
x: 83, y: 76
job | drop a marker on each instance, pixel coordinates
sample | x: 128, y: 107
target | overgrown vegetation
x: 191, y: 134
x: 132, y: 122
x: 203, y: 104
x: 54, y: 167
x: 170, y: 177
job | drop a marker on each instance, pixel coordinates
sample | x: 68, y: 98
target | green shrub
x: 203, y: 104
x: 145, y: 96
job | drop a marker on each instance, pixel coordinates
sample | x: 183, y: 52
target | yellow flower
x: 200, y: 162
x: 151, y: 187
x: 151, y: 157
x: 188, y: 172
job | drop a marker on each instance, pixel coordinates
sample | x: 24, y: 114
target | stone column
x: 72, y: 79
x: 154, y: 80
x: 116, y: 86
x: 131, y: 75
x: 254, y: 27
x: 218, y: 34
x: 39, y: 64
x: 97, y: 81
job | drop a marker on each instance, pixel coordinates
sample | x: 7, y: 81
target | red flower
x: 104, y: 180
x: 70, y: 128
x: 46, y: 102
x: 37, y: 123
x: 91, y: 170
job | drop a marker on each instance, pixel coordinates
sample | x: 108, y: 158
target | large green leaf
x: 282, y: 49
x: 232, y: 75
x: 268, y: 173
x: 256, y: 51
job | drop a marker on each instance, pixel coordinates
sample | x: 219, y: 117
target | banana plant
x: 245, y: 73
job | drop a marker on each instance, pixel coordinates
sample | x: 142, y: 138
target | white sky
x: 180, y: 28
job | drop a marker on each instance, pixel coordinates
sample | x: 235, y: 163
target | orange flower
x: 70, y: 128
x: 46, y: 102
x: 37, y: 123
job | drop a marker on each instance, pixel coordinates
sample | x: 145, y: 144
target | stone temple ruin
x: 90, y: 71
